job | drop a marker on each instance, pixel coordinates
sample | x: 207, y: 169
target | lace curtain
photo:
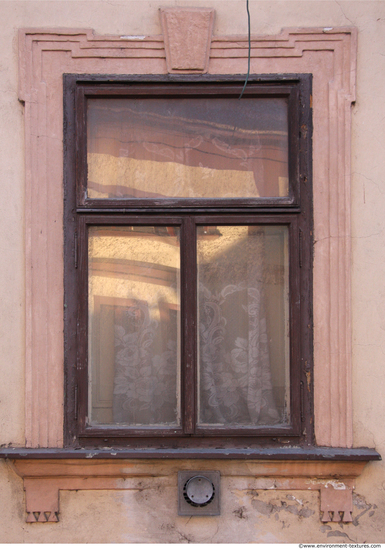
x: 145, y: 381
x: 235, y: 376
x: 235, y: 385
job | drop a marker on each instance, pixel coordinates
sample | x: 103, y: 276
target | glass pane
x: 243, y: 311
x: 203, y: 148
x: 134, y: 325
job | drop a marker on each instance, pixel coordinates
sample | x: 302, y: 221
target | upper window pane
x: 187, y: 148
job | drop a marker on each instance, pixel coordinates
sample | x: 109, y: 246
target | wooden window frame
x: 81, y: 212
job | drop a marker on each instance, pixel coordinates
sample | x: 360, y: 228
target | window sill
x: 45, y: 472
x: 266, y: 453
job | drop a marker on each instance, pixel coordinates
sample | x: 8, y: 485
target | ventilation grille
x: 199, y: 493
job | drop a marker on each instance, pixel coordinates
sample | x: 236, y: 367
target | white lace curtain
x: 235, y: 385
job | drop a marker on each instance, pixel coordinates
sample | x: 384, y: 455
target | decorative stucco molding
x: 329, y: 54
x: 336, y: 499
x: 44, y: 479
x: 187, y: 38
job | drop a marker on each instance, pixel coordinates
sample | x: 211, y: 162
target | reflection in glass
x: 243, y: 308
x: 134, y: 325
x: 187, y: 147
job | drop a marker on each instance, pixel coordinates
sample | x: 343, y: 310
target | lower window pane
x: 134, y: 326
x: 243, y: 312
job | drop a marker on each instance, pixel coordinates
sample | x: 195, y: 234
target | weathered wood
x: 294, y: 211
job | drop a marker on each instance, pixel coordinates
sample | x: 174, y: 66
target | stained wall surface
x: 149, y: 514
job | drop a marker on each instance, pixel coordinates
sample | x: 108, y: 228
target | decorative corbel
x: 41, y: 500
x: 336, y: 500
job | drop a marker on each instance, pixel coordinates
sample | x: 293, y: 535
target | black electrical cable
x: 248, y: 61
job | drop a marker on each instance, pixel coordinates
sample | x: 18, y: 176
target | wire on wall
x: 248, y: 60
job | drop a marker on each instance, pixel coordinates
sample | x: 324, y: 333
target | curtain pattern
x: 145, y: 369
x: 235, y: 374
x: 235, y: 385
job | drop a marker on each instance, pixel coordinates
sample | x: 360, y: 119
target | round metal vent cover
x: 199, y: 491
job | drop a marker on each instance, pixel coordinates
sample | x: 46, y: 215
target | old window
x: 188, y: 221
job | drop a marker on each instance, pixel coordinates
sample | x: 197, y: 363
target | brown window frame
x: 294, y: 211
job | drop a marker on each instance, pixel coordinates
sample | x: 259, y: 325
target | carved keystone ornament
x: 187, y: 38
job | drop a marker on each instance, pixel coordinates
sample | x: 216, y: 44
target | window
x: 188, y: 220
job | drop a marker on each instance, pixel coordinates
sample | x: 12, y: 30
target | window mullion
x: 189, y: 315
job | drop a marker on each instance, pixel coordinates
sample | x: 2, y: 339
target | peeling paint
x: 360, y: 503
x: 308, y: 380
x: 338, y: 534
x: 240, y: 513
x: 133, y: 37
x: 268, y: 508
x: 338, y: 485
x: 292, y: 497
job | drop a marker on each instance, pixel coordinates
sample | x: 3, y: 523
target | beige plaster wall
x: 247, y: 515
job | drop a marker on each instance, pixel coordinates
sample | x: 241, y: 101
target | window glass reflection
x: 134, y: 325
x: 175, y: 147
